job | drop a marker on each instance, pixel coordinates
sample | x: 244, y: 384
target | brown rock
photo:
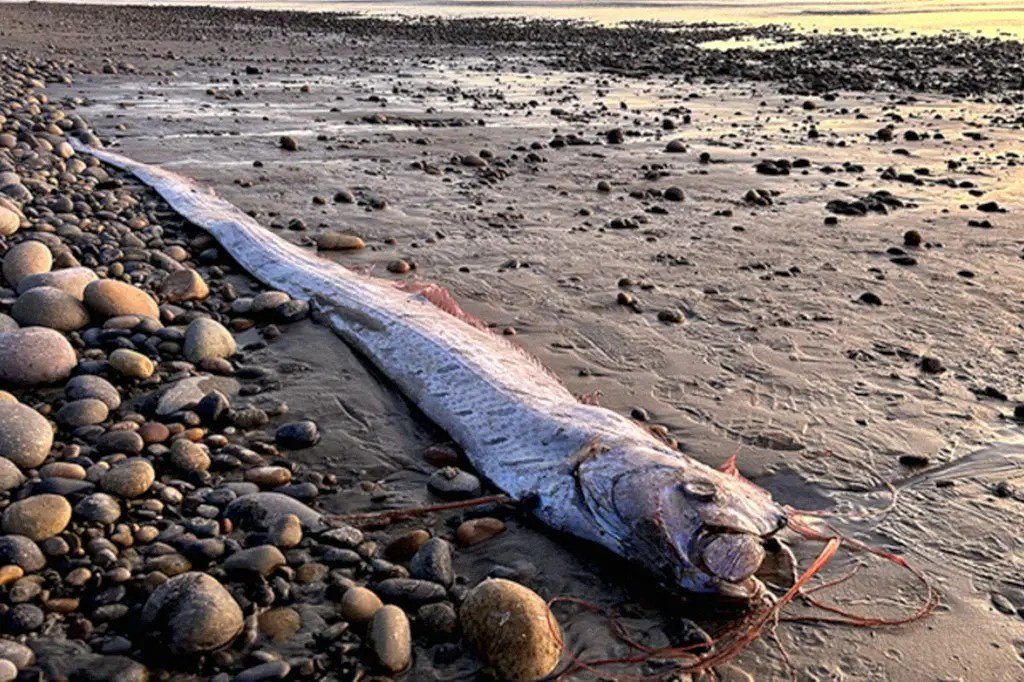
x: 512, y: 629
x: 112, y: 298
x: 475, y: 531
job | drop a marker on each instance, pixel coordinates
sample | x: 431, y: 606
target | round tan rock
x: 129, y: 478
x: 206, y: 339
x: 338, y: 241
x: 189, y: 456
x: 38, y: 517
x: 131, y: 363
x: 192, y: 613
x: 34, y: 356
x: 112, y: 298
x: 184, y: 285
x: 268, y: 476
x: 9, y: 221
x: 359, y: 604
x: 50, y: 307
x: 475, y: 531
x: 390, y: 638
x: 27, y: 258
x: 25, y: 435
x: 512, y: 630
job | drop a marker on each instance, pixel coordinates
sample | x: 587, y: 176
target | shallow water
x: 989, y: 17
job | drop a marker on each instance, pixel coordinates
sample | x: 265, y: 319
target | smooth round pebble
x: 391, y: 639
x: 25, y: 435
x: 37, y: 517
x: 50, y: 307
x: 192, y: 613
x: 358, y: 604
x: 24, y: 259
x: 112, y: 298
x: 129, y: 478
x: 205, y: 339
x: 131, y: 364
x: 512, y: 629
x: 35, y: 356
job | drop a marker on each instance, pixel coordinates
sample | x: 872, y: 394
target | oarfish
x: 583, y: 469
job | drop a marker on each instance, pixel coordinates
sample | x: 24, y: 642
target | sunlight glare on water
x: 988, y: 17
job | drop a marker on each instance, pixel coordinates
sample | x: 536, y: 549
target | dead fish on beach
x: 585, y: 470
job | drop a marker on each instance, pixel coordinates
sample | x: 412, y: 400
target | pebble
x: 262, y: 559
x: 131, y: 364
x: 475, y: 531
x: 10, y: 476
x: 271, y: 670
x: 409, y: 591
x: 17, y: 653
x: 338, y: 241
x: 21, y: 551
x: 98, y: 508
x: 406, y: 545
x: 88, y: 386
x: 82, y: 412
x: 112, y: 298
x: 258, y: 510
x: 453, y: 484
x: 25, y: 435
x: 269, y: 476
x: 358, y: 604
x: 280, y: 623
x: 184, y: 285
x: 23, y: 618
x: 433, y: 562
x: 438, y: 620
x: 206, y: 338
x: 512, y: 629
x: 285, y: 531
x: 37, y: 517
x: 192, y: 613
x: 390, y: 639
x: 24, y: 259
x: 35, y: 356
x: 9, y: 221
x: 129, y: 478
x: 50, y: 307
x: 71, y: 281
x: 297, y: 435
x: 189, y: 456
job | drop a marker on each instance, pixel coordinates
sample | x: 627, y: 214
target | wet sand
x: 778, y: 359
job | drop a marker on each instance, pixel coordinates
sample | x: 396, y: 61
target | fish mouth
x: 730, y: 558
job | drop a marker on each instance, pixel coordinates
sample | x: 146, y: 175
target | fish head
x: 702, y: 529
x: 717, y: 525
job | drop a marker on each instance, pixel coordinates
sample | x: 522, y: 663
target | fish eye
x: 702, y: 491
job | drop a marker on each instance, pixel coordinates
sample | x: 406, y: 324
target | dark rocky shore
x: 168, y: 515
x: 152, y: 519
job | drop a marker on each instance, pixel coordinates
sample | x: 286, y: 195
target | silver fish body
x: 586, y: 470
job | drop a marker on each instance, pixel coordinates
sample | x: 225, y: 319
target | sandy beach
x: 807, y: 257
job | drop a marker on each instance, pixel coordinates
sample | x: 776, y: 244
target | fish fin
x: 443, y: 299
x: 592, y: 398
x: 728, y: 467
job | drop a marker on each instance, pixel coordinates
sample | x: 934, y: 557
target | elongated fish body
x: 586, y: 470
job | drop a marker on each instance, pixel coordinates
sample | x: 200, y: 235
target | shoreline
x: 543, y: 193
